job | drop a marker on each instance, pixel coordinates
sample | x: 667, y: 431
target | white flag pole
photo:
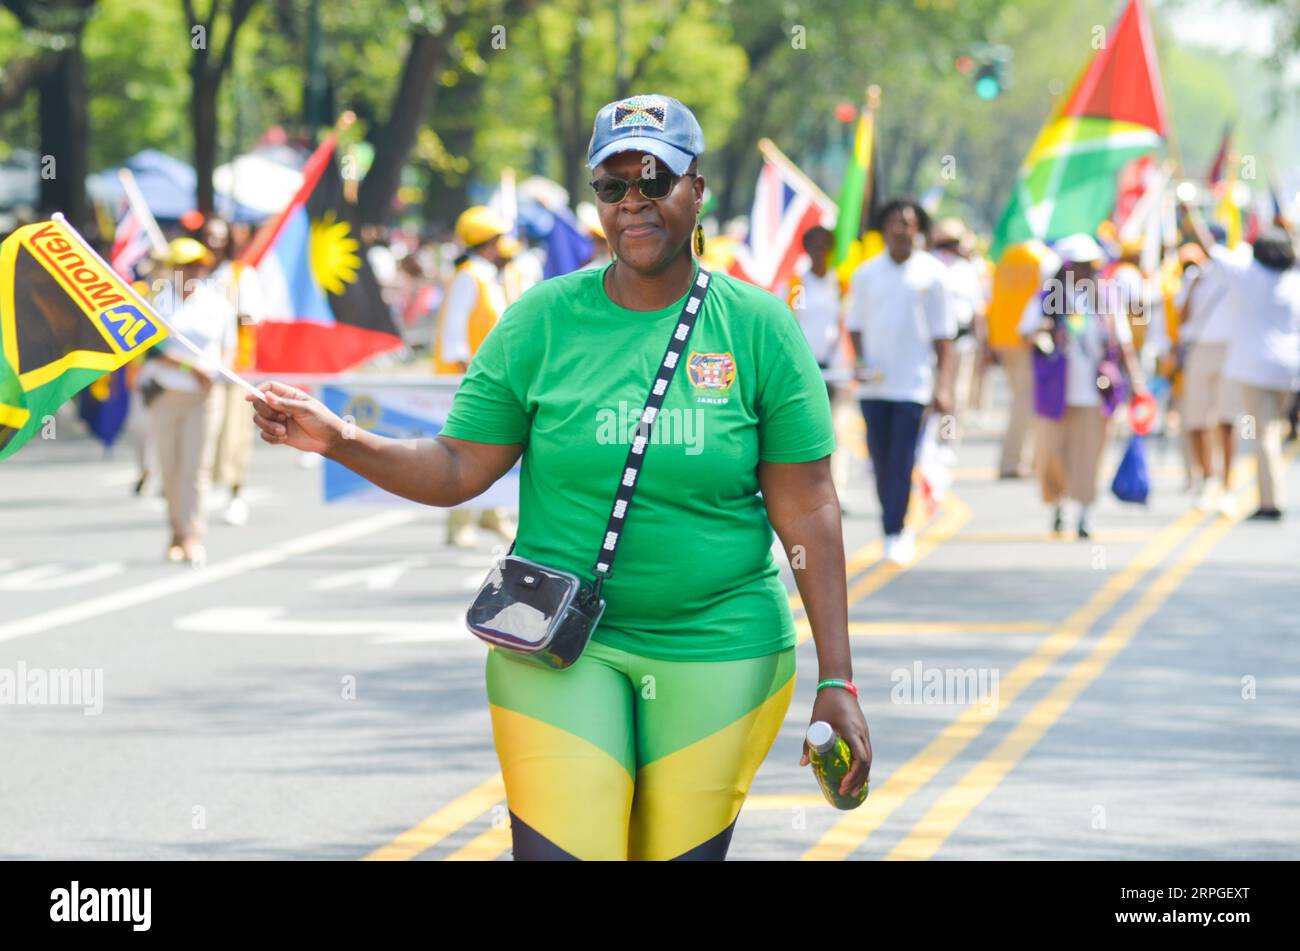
x: 141, y: 208
x: 175, y: 334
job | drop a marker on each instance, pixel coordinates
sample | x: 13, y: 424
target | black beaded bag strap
x: 655, y: 400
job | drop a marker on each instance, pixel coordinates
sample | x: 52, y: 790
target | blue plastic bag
x: 1132, y: 481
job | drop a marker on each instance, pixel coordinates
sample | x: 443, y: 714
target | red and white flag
x: 130, y: 244
x: 786, y: 204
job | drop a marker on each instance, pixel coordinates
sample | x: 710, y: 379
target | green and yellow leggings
x: 627, y: 757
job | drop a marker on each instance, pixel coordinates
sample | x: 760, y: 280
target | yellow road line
x: 892, y: 628
x: 866, y: 556
x: 952, y: 517
x: 856, y: 827
x: 485, y: 847
x: 775, y: 802
x: 958, y: 802
x: 1114, y: 536
x: 446, y: 821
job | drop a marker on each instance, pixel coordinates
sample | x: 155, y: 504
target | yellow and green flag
x: 66, y: 319
x: 859, y: 197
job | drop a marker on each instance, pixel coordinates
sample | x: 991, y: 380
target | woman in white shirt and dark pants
x: 902, y: 327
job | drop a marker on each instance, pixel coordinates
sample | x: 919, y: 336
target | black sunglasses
x: 611, y: 190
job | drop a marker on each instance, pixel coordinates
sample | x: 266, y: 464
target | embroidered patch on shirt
x: 711, y: 371
x: 640, y: 111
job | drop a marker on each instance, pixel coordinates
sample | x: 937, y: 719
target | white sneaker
x: 891, y: 548
x: 905, y: 550
x: 236, y: 512
x: 1205, y: 500
x: 1228, y: 505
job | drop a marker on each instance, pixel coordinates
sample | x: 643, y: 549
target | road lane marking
x: 958, y: 802
x: 374, y: 578
x: 847, y: 835
x: 270, y: 620
x: 1100, y: 537
x: 954, y: 514
x: 921, y: 628
x: 188, y: 580
x: 448, y: 820
x: 484, y: 847
x: 855, y: 828
x: 55, y: 576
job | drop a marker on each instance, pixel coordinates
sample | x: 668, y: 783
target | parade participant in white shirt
x: 816, y: 298
x: 1211, y: 403
x: 1264, y: 345
x: 901, y: 326
x: 188, y: 401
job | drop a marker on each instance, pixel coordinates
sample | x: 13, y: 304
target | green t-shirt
x: 566, y: 372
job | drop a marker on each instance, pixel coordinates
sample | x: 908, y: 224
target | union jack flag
x: 130, y: 245
x: 786, y: 204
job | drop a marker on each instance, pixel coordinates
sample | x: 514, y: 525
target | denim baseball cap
x: 651, y: 123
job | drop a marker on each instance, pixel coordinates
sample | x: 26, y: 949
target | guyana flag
x: 66, y: 319
x: 1114, y: 114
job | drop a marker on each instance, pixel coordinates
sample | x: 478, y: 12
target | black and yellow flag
x: 66, y: 319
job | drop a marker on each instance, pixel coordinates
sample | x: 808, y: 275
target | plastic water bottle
x: 831, y: 760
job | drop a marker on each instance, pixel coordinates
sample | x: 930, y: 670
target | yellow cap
x: 187, y: 251
x: 477, y: 225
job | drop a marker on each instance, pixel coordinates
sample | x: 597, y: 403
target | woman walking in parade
x: 645, y: 747
x: 1081, y: 343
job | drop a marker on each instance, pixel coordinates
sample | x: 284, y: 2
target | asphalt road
x: 312, y: 694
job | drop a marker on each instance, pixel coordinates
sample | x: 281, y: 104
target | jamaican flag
x: 66, y: 319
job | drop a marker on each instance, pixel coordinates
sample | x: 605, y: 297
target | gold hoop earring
x: 699, y: 240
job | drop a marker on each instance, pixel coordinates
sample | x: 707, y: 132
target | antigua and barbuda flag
x: 66, y: 320
x: 324, y: 312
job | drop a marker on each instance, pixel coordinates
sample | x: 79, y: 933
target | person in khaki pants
x: 1068, y: 450
x: 187, y: 404
x: 1264, y: 345
x: 1019, y: 275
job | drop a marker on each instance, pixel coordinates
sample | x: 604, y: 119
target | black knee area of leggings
x: 531, y: 846
x: 714, y: 850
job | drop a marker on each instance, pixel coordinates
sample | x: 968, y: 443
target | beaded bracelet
x: 836, y: 682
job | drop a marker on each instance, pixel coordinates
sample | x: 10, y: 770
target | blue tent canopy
x: 169, y: 187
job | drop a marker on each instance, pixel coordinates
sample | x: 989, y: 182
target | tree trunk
x: 64, y: 136
x: 737, y: 164
x: 411, y: 107
x: 576, y: 138
x: 203, y: 124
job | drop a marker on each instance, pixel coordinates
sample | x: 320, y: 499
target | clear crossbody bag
x: 547, y: 615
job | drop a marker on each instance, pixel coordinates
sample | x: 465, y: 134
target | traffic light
x: 991, y: 68
x: 988, y: 81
